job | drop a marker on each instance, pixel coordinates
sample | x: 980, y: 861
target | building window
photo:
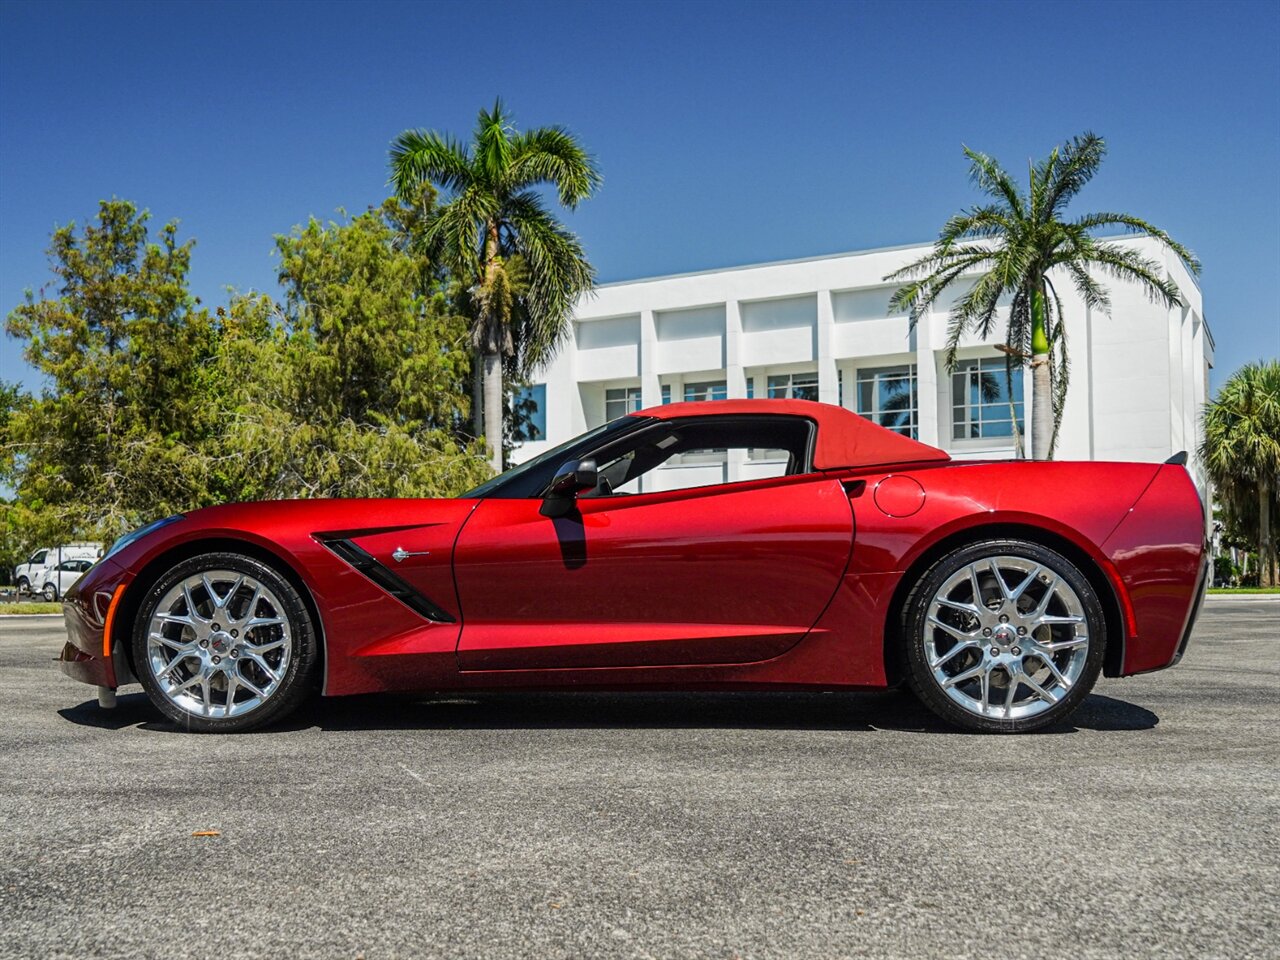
x: 980, y: 403
x: 888, y: 396
x: 666, y: 393
x: 794, y: 386
x: 619, y: 401
x: 709, y: 390
x: 530, y: 407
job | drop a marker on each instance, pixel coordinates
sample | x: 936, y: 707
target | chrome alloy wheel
x: 219, y: 644
x: 1006, y: 637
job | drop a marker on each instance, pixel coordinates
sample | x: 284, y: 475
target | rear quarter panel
x: 1152, y: 551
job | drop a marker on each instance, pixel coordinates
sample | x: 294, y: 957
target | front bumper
x: 90, y: 655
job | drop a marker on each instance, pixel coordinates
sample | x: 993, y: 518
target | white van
x: 32, y: 575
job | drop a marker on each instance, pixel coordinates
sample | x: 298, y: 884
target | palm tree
x: 1019, y: 244
x: 1241, y: 450
x: 494, y: 218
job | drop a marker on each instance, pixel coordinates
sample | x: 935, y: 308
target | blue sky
x: 727, y: 133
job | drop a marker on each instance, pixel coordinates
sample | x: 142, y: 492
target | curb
x: 1242, y: 597
x: 29, y: 616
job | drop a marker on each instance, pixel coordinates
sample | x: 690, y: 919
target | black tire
x: 24, y: 586
x: 922, y: 676
x: 298, y: 679
x: 51, y: 592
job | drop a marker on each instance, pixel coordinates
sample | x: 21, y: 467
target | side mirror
x: 574, y: 477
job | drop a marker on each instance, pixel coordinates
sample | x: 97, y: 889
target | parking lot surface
x: 649, y: 825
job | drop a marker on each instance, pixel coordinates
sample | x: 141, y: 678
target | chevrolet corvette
x: 730, y: 545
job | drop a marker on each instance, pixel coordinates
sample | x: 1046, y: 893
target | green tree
x: 356, y: 385
x: 1241, y: 451
x: 112, y: 439
x: 1018, y: 244
x: 492, y: 215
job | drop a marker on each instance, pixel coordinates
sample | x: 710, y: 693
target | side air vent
x: 367, y: 564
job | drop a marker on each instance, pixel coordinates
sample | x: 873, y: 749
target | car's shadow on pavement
x: 853, y: 712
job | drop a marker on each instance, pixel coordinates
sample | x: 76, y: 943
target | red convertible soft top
x: 844, y: 438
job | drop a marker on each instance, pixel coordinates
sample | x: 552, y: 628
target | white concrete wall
x: 1138, y: 375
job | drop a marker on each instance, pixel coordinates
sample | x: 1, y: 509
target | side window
x: 38, y: 557
x: 701, y: 452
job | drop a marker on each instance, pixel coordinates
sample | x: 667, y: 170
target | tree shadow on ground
x: 463, y: 710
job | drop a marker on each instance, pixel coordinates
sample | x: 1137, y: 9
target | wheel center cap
x: 220, y: 641
x: 1004, y: 636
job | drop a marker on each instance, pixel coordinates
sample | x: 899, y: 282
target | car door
x: 725, y: 573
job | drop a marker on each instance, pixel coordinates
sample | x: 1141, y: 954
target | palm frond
x: 1130, y: 265
x: 424, y: 156
x: 989, y: 177
x: 493, y: 146
x: 1136, y: 225
x: 552, y: 155
x: 1080, y: 159
x: 559, y: 272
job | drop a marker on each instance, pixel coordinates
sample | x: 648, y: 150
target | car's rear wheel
x: 1003, y: 636
x: 224, y: 643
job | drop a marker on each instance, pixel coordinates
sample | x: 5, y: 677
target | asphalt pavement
x: 649, y: 825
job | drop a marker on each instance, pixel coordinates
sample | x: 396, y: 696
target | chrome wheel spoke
x: 1022, y: 587
x: 953, y: 631
x: 1043, y: 606
x: 966, y: 644
x: 180, y: 646
x: 977, y: 589
x: 251, y: 687
x: 1041, y: 692
x: 1060, y: 645
x: 1058, y: 675
x: 232, y: 680
x: 178, y: 686
x: 263, y: 622
x: 252, y: 608
x: 266, y: 647
x: 958, y: 605
x: 1005, y: 595
x: 1011, y: 694
x: 263, y: 666
x: 969, y: 674
x: 192, y: 612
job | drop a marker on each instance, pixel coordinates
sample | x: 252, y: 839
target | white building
x: 821, y: 329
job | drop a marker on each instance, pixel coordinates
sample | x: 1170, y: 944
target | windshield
x: 527, y: 480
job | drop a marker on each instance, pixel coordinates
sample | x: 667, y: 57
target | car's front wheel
x: 51, y: 592
x: 223, y: 643
x: 24, y: 586
x: 1003, y: 636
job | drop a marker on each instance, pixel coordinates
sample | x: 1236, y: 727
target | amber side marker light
x: 110, y: 620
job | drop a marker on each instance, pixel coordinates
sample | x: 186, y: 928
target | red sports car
x: 757, y: 544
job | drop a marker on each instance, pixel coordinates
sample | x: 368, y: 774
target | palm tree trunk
x: 493, y: 408
x: 1266, y: 554
x: 477, y: 394
x: 1041, y: 383
x: 492, y: 357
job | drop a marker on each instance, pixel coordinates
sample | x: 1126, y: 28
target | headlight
x: 136, y: 535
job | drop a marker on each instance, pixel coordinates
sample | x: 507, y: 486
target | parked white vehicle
x: 61, y: 577
x: 31, y: 576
